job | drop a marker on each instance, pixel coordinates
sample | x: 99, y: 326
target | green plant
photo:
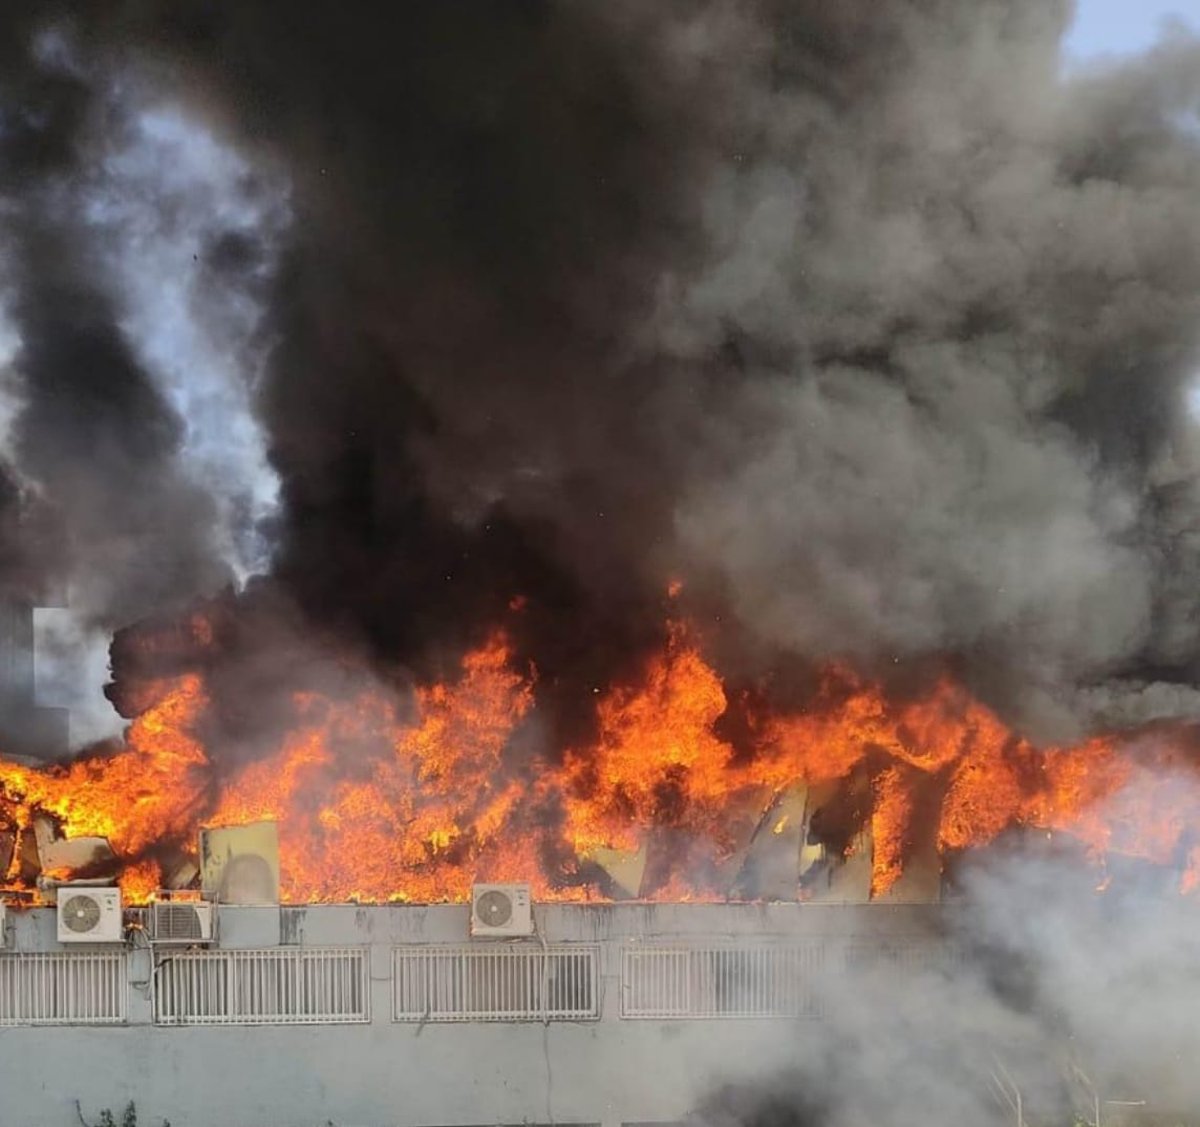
x: 128, y: 1118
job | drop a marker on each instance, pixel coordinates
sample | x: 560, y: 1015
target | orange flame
x: 148, y: 791
x: 380, y: 799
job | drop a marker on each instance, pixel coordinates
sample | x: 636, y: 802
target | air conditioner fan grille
x: 81, y: 914
x: 494, y: 908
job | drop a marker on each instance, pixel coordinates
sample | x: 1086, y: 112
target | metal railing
x: 721, y: 980
x: 279, y: 986
x: 71, y: 988
x: 463, y: 983
x: 907, y: 957
x: 496, y: 983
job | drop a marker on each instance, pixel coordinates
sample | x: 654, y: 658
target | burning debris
x: 858, y: 795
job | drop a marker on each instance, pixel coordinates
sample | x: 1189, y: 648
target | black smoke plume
x: 865, y: 320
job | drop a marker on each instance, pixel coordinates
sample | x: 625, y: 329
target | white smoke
x: 159, y: 202
x: 1064, y: 998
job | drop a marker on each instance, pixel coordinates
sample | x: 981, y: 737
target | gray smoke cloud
x: 965, y: 290
x: 1048, y: 992
x: 864, y: 319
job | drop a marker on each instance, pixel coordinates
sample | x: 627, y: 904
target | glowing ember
x: 380, y: 798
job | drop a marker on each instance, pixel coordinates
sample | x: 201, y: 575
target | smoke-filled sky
x: 871, y: 322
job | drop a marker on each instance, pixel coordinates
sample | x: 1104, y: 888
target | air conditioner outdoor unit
x: 501, y: 910
x: 89, y: 915
x: 240, y: 864
x: 181, y: 923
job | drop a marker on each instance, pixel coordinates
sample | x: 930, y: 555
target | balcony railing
x: 68, y: 988
x: 496, y: 983
x: 721, y: 980
x: 279, y: 986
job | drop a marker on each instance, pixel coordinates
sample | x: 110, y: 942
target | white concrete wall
x: 387, y: 1074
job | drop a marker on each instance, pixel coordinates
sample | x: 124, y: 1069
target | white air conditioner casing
x: 501, y: 910
x: 240, y: 864
x: 89, y: 915
x: 181, y: 923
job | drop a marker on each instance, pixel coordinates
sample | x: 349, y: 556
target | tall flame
x: 378, y: 801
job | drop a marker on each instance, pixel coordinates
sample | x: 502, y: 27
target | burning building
x: 636, y: 892
x: 704, y: 475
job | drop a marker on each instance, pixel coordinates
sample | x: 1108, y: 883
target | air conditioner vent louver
x: 501, y: 910
x: 182, y: 923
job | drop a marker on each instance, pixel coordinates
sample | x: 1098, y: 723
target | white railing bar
x: 519, y: 983
x: 280, y: 986
x: 63, y: 988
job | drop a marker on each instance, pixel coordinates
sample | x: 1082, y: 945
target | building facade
x: 394, y: 1016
